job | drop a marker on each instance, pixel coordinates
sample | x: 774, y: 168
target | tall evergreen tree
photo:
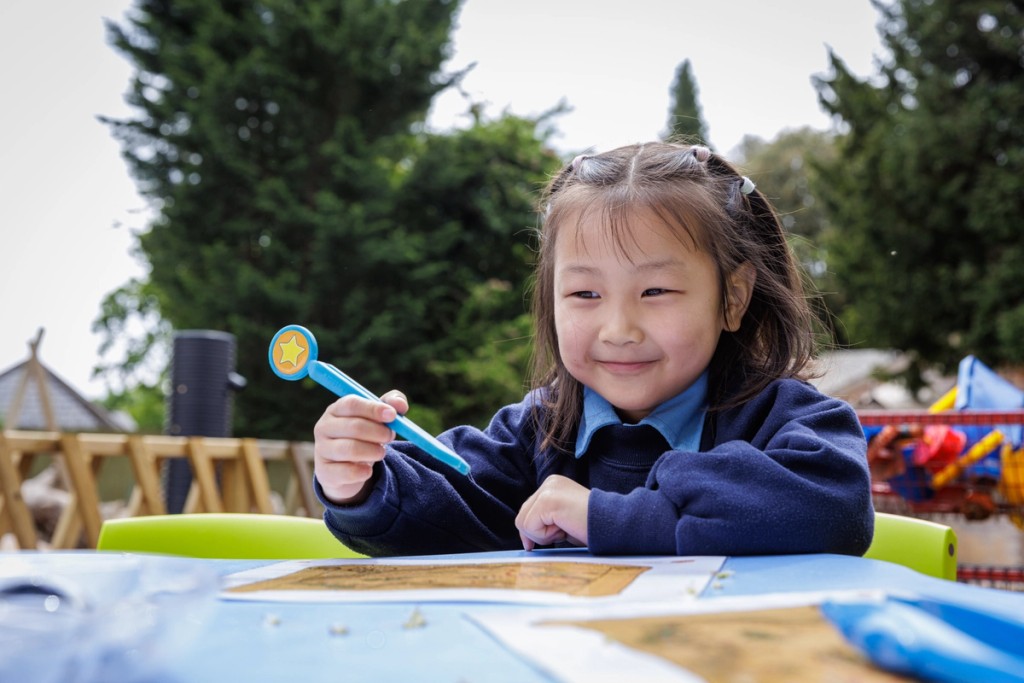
x: 276, y: 142
x: 685, y: 119
x: 928, y: 189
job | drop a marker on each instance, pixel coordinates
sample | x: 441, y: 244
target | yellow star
x: 291, y: 350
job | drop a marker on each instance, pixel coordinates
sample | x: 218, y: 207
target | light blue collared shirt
x: 680, y: 419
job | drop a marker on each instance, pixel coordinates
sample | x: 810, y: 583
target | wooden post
x: 14, y: 505
x: 301, y: 456
x: 147, y: 477
x: 84, y: 485
x: 204, y: 475
x: 256, y: 475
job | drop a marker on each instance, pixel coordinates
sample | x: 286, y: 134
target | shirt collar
x: 680, y: 419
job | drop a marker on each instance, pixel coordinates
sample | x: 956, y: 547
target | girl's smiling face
x: 638, y: 319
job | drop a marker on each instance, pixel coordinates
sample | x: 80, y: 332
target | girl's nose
x: 620, y: 327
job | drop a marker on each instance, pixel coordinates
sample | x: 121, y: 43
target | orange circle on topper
x: 291, y: 350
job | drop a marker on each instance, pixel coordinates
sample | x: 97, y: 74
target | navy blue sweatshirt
x: 785, y: 472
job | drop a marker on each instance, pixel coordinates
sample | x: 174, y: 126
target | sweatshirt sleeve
x: 785, y: 473
x: 420, y: 506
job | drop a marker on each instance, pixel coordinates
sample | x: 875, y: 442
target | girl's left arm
x: 786, y: 473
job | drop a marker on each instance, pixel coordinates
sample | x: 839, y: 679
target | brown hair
x: 702, y: 197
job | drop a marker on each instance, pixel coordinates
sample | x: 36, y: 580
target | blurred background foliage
x: 927, y: 189
x: 284, y: 149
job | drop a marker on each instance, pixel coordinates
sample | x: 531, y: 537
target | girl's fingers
x: 557, y: 511
x: 340, y: 474
x: 342, y: 482
x: 356, y: 418
x: 534, y: 529
x: 542, y: 535
x: 340, y: 433
x: 524, y: 513
x: 348, y: 439
x: 349, y: 450
x: 357, y: 406
x: 397, y: 400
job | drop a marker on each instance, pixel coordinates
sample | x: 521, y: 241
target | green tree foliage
x: 928, y: 189
x: 685, y: 119
x: 278, y: 142
x: 468, y: 205
x: 786, y: 169
x: 137, y: 336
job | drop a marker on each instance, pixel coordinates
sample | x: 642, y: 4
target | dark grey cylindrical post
x: 199, y: 402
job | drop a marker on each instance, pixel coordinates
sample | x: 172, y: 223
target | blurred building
x: 862, y: 377
x: 34, y: 397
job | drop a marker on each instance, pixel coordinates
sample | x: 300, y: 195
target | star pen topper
x: 293, y: 355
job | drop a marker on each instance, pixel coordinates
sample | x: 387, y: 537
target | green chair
x: 924, y: 546
x: 224, y: 536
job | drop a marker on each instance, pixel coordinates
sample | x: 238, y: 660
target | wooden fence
x: 228, y: 475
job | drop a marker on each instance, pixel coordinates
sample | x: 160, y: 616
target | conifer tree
x: 281, y: 145
x: 928, y: 189
x: 685, y: 120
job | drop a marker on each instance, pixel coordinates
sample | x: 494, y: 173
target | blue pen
x: 934, y: 640
x: 293, y: 355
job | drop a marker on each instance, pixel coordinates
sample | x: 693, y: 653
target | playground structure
x: 963, y: 457
x: 948, y: 461
x: 231, y: 475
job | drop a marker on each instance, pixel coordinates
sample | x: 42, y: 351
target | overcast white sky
x: 69, y: 209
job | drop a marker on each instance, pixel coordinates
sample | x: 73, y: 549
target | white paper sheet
x: 571, y: 653
x: 673, y: 579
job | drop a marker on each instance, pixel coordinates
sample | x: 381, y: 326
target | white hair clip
x: 701, y: 153
x: 748, y: 185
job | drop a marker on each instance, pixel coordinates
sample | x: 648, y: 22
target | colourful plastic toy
x: 1011, y: 484
x: 293, y: 355
x: 965, y: 455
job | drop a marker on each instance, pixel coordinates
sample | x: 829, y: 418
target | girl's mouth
x: 625, y: 367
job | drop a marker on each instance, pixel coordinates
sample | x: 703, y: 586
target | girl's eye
x: 584, y: 295
x: 654, y: 291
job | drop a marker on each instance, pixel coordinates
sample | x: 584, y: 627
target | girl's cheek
x: 573, y: 351
x: 567, y: 344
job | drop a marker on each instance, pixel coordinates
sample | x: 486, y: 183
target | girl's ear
x: 739, y: 289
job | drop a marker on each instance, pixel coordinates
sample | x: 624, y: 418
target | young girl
x: 667, y: 415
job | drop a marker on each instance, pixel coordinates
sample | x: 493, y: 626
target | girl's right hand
x: 348, y: 439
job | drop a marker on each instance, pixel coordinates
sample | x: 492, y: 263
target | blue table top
x: 288, y: 641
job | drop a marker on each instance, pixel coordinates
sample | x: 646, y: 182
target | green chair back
x: 919, y: 544
x: 224, y: 536
x: 924, y: 546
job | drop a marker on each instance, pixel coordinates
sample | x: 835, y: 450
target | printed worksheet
x: 768, y: 638
x: 539, y: 577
